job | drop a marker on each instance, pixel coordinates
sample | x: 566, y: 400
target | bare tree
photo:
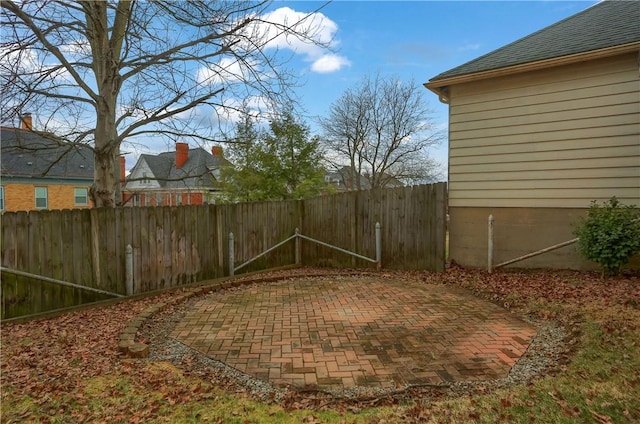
x: 382, y: 128
x: 110, y: 71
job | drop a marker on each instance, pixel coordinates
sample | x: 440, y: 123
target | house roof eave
x: 440, y: 86
x: 441, y: 91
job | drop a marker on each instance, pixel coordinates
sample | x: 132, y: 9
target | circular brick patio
x: 335, y: 333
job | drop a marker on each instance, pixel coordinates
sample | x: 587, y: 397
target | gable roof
x: 29, y: 154
x: 607, y: 24
x: 197, y: 171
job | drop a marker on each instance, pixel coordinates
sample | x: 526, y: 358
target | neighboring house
x: 540, y: 128
x: 184, y: 177
x: 39, y: 171
x: 343, y: 180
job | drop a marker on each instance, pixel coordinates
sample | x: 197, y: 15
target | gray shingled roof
x: 34, y: 155
x: 606, y: 24
x: 195, y: 172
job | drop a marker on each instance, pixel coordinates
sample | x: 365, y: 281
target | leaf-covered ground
x: 66, y: 369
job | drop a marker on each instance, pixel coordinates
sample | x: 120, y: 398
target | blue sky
x: 409, y: 40
x: 414, y: 40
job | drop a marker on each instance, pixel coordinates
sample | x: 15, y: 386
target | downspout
x: 443, y: 95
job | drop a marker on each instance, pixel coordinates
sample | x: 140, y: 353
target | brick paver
x: 339, y: 332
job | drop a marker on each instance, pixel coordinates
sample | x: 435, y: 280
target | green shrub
x: 609, y: 235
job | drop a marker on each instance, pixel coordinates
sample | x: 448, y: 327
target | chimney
x: 216, y: 151
x: 122, y: 168
x: 26, y: 122
x: 182, y: 154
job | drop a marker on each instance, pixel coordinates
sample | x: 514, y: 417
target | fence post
x: 490, y: 245
x: 129, y: 269
x: 297, y: 247
x: 378, y: 246
x: 231, y: 258
x: 95, y: 245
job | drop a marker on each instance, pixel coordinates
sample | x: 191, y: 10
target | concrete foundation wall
x: 517, y: 231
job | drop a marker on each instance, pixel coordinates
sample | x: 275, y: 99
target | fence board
x: 120, y: 248
x: 154, y: 247
x: 172, y: 273
x: 209, y: 253
x: 34, y: 244
x: 53, y: 223
x: 190, y: 268
x: 21, y: 238
x: 146, y: 235
x: 66, y: 245
x: 108, y: 259
x: 76, y: 250
x: 204, y: 242
x: 136, y: 245
x: 9, y: 243
x: 95, y: 247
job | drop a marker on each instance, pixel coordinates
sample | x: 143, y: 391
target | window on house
x: 159, y: 199
x: 42, y: 198
x: 178, y: 199
x: 81, y: 196
x: 145, y: 179
x: 1, y: 198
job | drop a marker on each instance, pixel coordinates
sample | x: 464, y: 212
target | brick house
x: 184, y: 177
x: 39, y: 171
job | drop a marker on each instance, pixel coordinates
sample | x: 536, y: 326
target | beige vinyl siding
x: 526, y: 145
x: 616, y: 93
x: 560, y: 137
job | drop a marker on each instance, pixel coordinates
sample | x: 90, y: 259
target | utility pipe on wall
x: 378, y: 246
x: 490, y: 245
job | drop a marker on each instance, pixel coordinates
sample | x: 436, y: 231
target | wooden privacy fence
x: 177, y: 245
x: 412, y: 221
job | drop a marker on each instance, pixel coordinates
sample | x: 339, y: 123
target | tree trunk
x: 106, y: 175
x: 106, y: 58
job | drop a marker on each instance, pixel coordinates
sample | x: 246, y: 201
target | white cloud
x: 329, y: 63
x: 27, y: 62
x: 226, y: 70
x: 80, y: 48
x: 232, y: 109
x: 306, y: 34
x: 319, y: 31
x: 23, y: 61
x: 319, y: 28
